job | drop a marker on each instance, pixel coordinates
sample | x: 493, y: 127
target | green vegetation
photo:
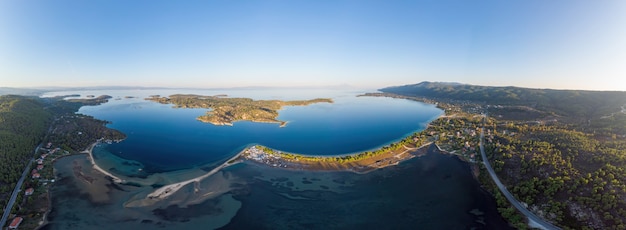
x: 561, y: 152
x: 225, y: 111
x: 416, y: 140
x: 578, y: 105
x: 77, y: 132
x: 23, y: 123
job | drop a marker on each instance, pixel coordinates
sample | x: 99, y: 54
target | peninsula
x: 227, y: 110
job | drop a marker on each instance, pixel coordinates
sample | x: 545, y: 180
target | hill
x: 576, y: 104
x: 561, y: 152
x: 23, y: 124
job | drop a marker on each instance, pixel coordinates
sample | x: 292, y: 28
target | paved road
x: 16, y: 191
x: 531, y: 216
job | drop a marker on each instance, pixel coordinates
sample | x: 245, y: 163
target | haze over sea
x: 167, y: 145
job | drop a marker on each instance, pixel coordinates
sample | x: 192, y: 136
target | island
x: 550, y: 155
x: 227, y: 110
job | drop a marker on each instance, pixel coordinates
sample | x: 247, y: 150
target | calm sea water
x: 165, y: 139
x: 434, y: 191
x: 167, y: 145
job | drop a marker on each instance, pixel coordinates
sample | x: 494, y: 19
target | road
x: 7, y: 209
x: 533, y: 219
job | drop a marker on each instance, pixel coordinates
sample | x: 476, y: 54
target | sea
x: 167, y: 145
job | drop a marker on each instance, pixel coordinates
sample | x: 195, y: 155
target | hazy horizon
x: 268, y: 87
x: 361, y: 44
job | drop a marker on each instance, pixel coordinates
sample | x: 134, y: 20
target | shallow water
x: 434, y: 191
x: 167, y: 145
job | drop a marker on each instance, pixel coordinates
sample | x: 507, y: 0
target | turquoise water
x: 435, y: 191
x: 167, y: 145
x: 162, y: 138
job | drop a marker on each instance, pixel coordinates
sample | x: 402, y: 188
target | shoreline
x: 289, y: 161
x: 89, y: 152
x: 281, y: 124
x: 167, y: 190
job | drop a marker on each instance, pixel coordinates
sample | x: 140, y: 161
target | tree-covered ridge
x: 578, y: 104
x: 23, y: 123
x: 226, y: 110
x: 569, y: 167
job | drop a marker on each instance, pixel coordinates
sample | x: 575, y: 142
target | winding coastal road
x: 7, y: 209
x: 534, y: 220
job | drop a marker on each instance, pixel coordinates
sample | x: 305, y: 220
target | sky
x: 562, y: 44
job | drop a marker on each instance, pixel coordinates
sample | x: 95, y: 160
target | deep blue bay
x: 164, y: 139
x: 167, y: 145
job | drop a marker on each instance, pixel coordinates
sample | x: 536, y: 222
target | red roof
x: 16, y: 222
x: 39, y: 167
x: 36, y: 175
x: 29, y: 191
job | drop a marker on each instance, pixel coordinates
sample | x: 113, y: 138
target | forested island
x: 560, y: 152
x: 227, y: 110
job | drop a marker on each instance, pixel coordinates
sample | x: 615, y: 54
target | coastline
x: 166, y: 191
x: 408, y: 153
x: 290, y: 161
x: 89, y: 152
x: 282, y: 124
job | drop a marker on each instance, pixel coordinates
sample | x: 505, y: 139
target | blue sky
x: 531, y: 43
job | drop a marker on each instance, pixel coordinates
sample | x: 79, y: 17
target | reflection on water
x: 434, y: 191
x: 166, y: 145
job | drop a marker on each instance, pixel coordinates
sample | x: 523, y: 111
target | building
x: 29, y: 191
x: 36, y: 175
x: 16, y: 222
x: 39, y: 167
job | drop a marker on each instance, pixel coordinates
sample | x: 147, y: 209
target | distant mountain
x: 571, y: 103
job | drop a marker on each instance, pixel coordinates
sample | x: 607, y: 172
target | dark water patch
x: 176, y: 214
x: 157, y: 185
x: 147, y: 221
x: 131, y: 163
x: 116, y: 187
x: 133, y: 184
x: 434, y: 191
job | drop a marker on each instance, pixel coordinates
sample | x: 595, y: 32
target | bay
x: 167, y: 145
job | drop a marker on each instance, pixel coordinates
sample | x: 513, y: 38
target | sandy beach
x: 89, y: 151
x: 168, y: 190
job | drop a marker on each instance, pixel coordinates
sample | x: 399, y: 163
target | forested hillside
x: 23, y: 123
x: 562, y: 152
x: 576, y: 104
